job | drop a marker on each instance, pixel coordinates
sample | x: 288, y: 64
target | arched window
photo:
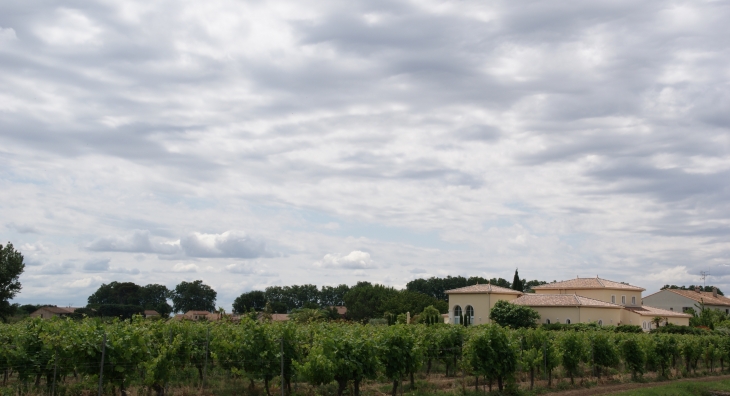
x: 600, y: 322
x: 643, y: 325
x: 457, y: 315
x: 469, y: 314
x: 547, y: 321
x: 567, y: 321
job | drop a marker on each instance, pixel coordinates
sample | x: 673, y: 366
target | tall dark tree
x: 332, y: 296
x: 193, y: 296
x: 120, y: 293
x: 154, y: 296
x: 365, y: 300
x: 517, y: 282
x: 11, y: 266
x: 255, y: 299
x: 414, y: 302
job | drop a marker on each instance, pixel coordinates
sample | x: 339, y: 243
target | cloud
x: 58, y: 269
x: 137, y: 242
x: 253, y: 269
x: 354, y: 260
x: 180, y: 267
x: 230, y: 244
x: 23, y: 228
x: 103, y: 266
x: 83, y: 282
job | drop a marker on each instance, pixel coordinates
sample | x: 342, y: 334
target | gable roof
x: 646, y: 310
x: 198, y: 313
x: 150, y: 312
x: 706, y: 297
x: 588, y: 283
x: 57, y: 310
x: 483, y: 289
x: 562, y: 300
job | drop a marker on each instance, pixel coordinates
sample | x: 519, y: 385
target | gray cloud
x: 232, y: 244
x: 137, y: 242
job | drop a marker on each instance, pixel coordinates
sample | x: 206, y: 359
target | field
x: 190, y: 358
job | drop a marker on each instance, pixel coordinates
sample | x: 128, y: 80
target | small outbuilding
x: 473, y: 303
x: 571, y: 308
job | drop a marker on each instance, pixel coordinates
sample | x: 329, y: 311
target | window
x: 623, y: 300
x: 727, y: 311
x: 600, y: 322
x: 567, y: 321
x: 457, y: 315
x: 613, y: 299
x: 547, y: 321
x: 633, y: 300
x: 644, y: 325
x: 469, y: 314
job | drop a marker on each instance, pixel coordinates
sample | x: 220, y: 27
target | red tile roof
x: 479, y: 289
x: 646, y: 310
x: 706, y: 297
x: 588, y: 283
x: 561, y: 300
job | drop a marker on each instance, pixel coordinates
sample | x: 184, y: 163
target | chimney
x: 714, y: 291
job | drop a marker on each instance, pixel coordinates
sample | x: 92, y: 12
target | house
x: 678, y: 300
x: 571, y: 308
x: 473, y: 303
x: 274, y: 317
x: 644, y: 317
x: 596, y: 288
x: 51, y: 312
x: 579, y: 300
x: 149, y: 313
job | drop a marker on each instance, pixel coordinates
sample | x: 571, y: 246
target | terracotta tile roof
x: 342, y: 310
x: 58, y: 310
x: 707, y: 297
x: 561, y: 300
x: 151, y: 312
x: 197, y: 313
x: 588, y: 283
x: 488, y: 288
x: 646, y: 310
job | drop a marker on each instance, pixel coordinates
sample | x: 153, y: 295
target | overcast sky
x: 251, y: 144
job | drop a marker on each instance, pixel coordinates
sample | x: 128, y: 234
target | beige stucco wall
x: 482, y: 303
x: 670, y: 301
x: 633, y: 318
x: 599, y: 294
x: 43, y: 313
x: 609, y: 316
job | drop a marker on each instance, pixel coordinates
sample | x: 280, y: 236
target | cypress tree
x: 517, y: 283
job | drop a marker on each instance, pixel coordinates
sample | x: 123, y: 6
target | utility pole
x: 704, y: 274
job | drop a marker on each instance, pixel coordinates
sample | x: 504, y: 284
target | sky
x: 256, y: 143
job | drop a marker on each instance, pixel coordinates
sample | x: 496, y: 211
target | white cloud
x: 355, y: 259
x: 138, y: 242
x: 83, y: 282
x: 180, y: 267
x: 254, y: 269
x: 228, y: 244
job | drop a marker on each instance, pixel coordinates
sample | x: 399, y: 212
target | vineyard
x: 86, y: 357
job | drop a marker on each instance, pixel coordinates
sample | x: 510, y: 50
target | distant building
x: 473, y: 303
x: 571, y: 308
x: 678, y: 300
x: 51, y: 312
x: 149, y: 313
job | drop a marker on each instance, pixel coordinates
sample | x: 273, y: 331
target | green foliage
x: 437, y: 287
x: 365, y: 301
x: 574, y: 350
x: 307, y: 315
x: 693, y: 287
x: 674, y: 329
x: 633, y: 355
x: 512, y: 315
x: 119, y: 294
x: 430, y: 316
x: 489, y: 353
x: 624, y: 328
x: 517, y: 282
x: 604, y: 351
x: 11, y: 266
x: 193, y: 296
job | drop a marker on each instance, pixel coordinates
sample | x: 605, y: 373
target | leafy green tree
x: 365, y: 301
x: 121, y: 293
x: 517, y: 282
x: 634, y: 355
x: 414, y: 302
x: 604, y: 351
x: 333, y: 296
x: 489, y: 353
x: 154, y: 296
x: 398, y: 353
x: 573, y: 351
x: 512, y: 315
x: 11, y: 266
x: 254, y: 299
x: 430, y: 316
x: 533, y: 351
x: 193, y: 296
x: 666, y: 350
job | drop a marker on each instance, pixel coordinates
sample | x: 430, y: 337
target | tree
x: 365, y: 300
x: 574, y: 351
x: 154, y: 296
x: 255, y: 299
x: 307, y: 315
x: 123, y: 293
x: 517, y: 282
x: 193, y: 296
x: 11, y: 266
x: 515, y: 316
x: 333, y: 296
x: 489, y: 353
x: 414, y: 302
